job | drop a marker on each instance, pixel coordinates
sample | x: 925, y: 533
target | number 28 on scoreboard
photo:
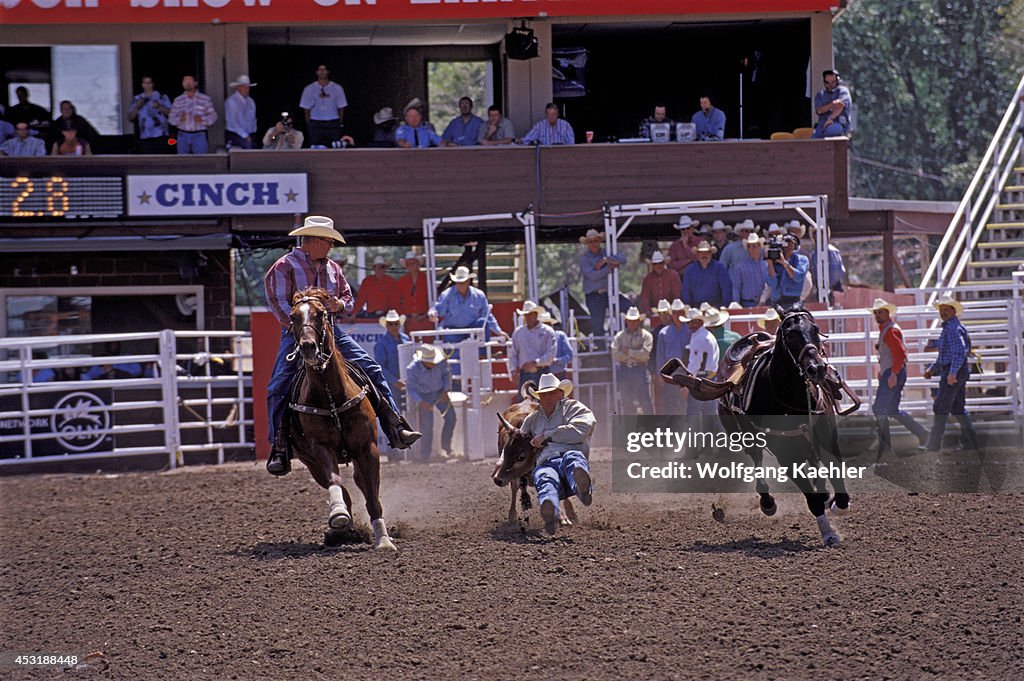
x: 60, y: 197
x: 55, y: 195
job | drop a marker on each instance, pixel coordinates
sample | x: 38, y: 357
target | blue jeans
x: 192, y: 142
x: 597, y: 304
x: 554, y: 477
x: 634, y: 386
x: 670, y: 400
x: 447, y: 412
x: 284, y: 373
x: 831, y: 130
x: 887, y: 404
x: 236, y: 141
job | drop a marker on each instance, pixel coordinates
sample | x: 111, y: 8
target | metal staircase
x: 506, y: 270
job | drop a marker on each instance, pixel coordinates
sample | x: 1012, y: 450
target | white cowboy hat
x: 657, y: 257
x: 242, y: 80
x: 770, y: 315
x: 705, y: 306
x: 753, y: 240
x: 747, y: 224
x: 634, y: 314
x: 948, y: 299
x: 735, y: 306
x: 663, y: 307
x: 550, y: 383
x: 461, y: 274
x: 775, y: 229
x: 705, y: 247
x: 718, y: 224
x: 410, y: 255
x: 428, y: 353
x: 318, y: 225
x: 883, y: 304
x: 392, y: 316
x: 591, y: 234
x: 530, y: 307
x: 544, y: 317
x: 383, y: 116
x: 679, y: 306
x: 414, y: 103
x: 685, y: 222
x: 796, y: 224
x: 379, y: 260
x: 694, y: 314
x: 714, y: 317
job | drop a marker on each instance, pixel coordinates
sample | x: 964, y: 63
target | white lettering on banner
x: 350, y: 3
x: 234, y: 194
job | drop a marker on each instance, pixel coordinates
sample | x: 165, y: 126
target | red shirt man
x: 377, y: 293
x: 411, y: 293
x: 660, y: 283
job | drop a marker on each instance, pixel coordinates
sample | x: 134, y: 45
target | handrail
x: 1003, y: 133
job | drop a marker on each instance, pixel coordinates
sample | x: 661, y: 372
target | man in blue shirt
x: 710, y: 121
x: 786, y: 275
x: 414, y: 133
x: 596, y: 267
x: 833, y: 107
x: 464, y: 129
x: 953, y: 370
x: 749, y: 274
x: 429, y: 380
x: 707, y: 280
x: 672, y: 341
x: 240, y: 115
x: 836, y: 272
x: 23, y: 144
x: 385, y: 350
x: 563, y: 349
x: 465, y: 307
x: 550, y: 130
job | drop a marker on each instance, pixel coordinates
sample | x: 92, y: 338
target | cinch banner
x: 291, y: 11
x: 175, y: 195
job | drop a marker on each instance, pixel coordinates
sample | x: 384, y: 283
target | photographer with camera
x: 150, y: 110
x: 283, y: 135
x: 787, y: 269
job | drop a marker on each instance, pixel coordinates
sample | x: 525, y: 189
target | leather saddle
x: 732, y: 369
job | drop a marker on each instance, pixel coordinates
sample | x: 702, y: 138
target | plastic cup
x: 590, y: 136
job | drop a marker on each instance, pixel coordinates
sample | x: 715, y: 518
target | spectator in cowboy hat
x: 534, y: 346
x: 560, y: 429
x: 305, y: 266
x: 240, y: 115
x: 736, y: 250
x: 378, y: 292
x: 631, y: 351
x: 706, y: 280
x: 786, y: 275
x: 953, y: 369
x: 464, y: 306
x: 385, y: 352
x: 596, y: 268
x: 892, y: 365
x: 385, y: 123
x: 672, y: 341
x: 720, y: 234
x: 429, y: 380
x: 659, y: 284
x: 749, y: 276
x: 702, y: 362
x: 714, y: 321
x: 770, y: 321
x: 563, y: 349
x: 681, y: 253
x: 411, y: 290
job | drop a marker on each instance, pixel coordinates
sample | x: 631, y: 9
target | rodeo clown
x: 561, y: 430
x: 308, y: 265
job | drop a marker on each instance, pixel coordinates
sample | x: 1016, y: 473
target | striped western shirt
x: 185, y: 109
x: 294, y: 272
x: 545, y: 133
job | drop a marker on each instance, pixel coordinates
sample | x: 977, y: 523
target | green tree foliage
x: 448, y: 81
x: 930, y: 81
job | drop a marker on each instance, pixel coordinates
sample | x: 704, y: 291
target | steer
x: 517, y: 457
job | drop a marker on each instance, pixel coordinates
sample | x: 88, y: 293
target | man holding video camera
x: 787, y: 269
x: 283, y: 135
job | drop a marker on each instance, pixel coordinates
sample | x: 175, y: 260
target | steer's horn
x: 505, y: 424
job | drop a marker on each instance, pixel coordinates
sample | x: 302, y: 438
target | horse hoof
x: 770, y: 510
x: 718, y: 513
x: 831, y: 540
x: 838, y: 510
x: 339, y: 519
x: 386, y: 544
x: 565, y: 522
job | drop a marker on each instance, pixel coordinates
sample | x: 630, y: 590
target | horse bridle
x: 798, y: 360
x: 322, y: 357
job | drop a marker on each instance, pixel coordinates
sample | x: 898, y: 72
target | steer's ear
x: 506, y: 425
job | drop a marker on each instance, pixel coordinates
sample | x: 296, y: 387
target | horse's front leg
x: 766, y: 502
x: 840, y: 503
x: 340, y: 515
x: 366, y: 474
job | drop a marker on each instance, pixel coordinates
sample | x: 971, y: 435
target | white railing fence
x: 188, y: 391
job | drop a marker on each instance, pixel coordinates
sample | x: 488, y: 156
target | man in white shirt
x: 240, y: 115
x: 703, y: 361
x: 324, y: 102
x: 533, y: 346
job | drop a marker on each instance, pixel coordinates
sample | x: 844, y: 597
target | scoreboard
x: 61, y: 197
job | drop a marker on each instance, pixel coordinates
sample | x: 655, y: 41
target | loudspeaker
x: 520, y: 43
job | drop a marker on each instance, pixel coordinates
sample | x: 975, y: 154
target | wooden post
x: 888, y: 256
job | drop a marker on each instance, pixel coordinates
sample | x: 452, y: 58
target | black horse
x: 790, y: 396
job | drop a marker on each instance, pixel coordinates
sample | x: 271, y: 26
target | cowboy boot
x: 279, y: 461
x: 398, y: 431
x: 934, y: 443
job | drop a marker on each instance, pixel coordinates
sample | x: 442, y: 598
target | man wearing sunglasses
x: 324, y: 102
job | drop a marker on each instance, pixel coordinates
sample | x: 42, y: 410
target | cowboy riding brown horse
x: 330, y: 417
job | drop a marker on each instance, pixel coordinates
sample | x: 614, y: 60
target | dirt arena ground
x: 221, y: 573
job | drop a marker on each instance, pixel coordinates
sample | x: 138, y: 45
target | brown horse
x: 330, y: 418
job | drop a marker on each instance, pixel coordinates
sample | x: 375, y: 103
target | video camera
x: 286, y: 120
x: 773, y: 249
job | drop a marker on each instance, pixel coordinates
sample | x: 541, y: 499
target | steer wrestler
x: 561, y: 430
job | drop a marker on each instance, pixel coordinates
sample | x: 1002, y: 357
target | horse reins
x: 322, y: 357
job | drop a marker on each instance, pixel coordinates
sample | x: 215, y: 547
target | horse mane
x: 311, y: 292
